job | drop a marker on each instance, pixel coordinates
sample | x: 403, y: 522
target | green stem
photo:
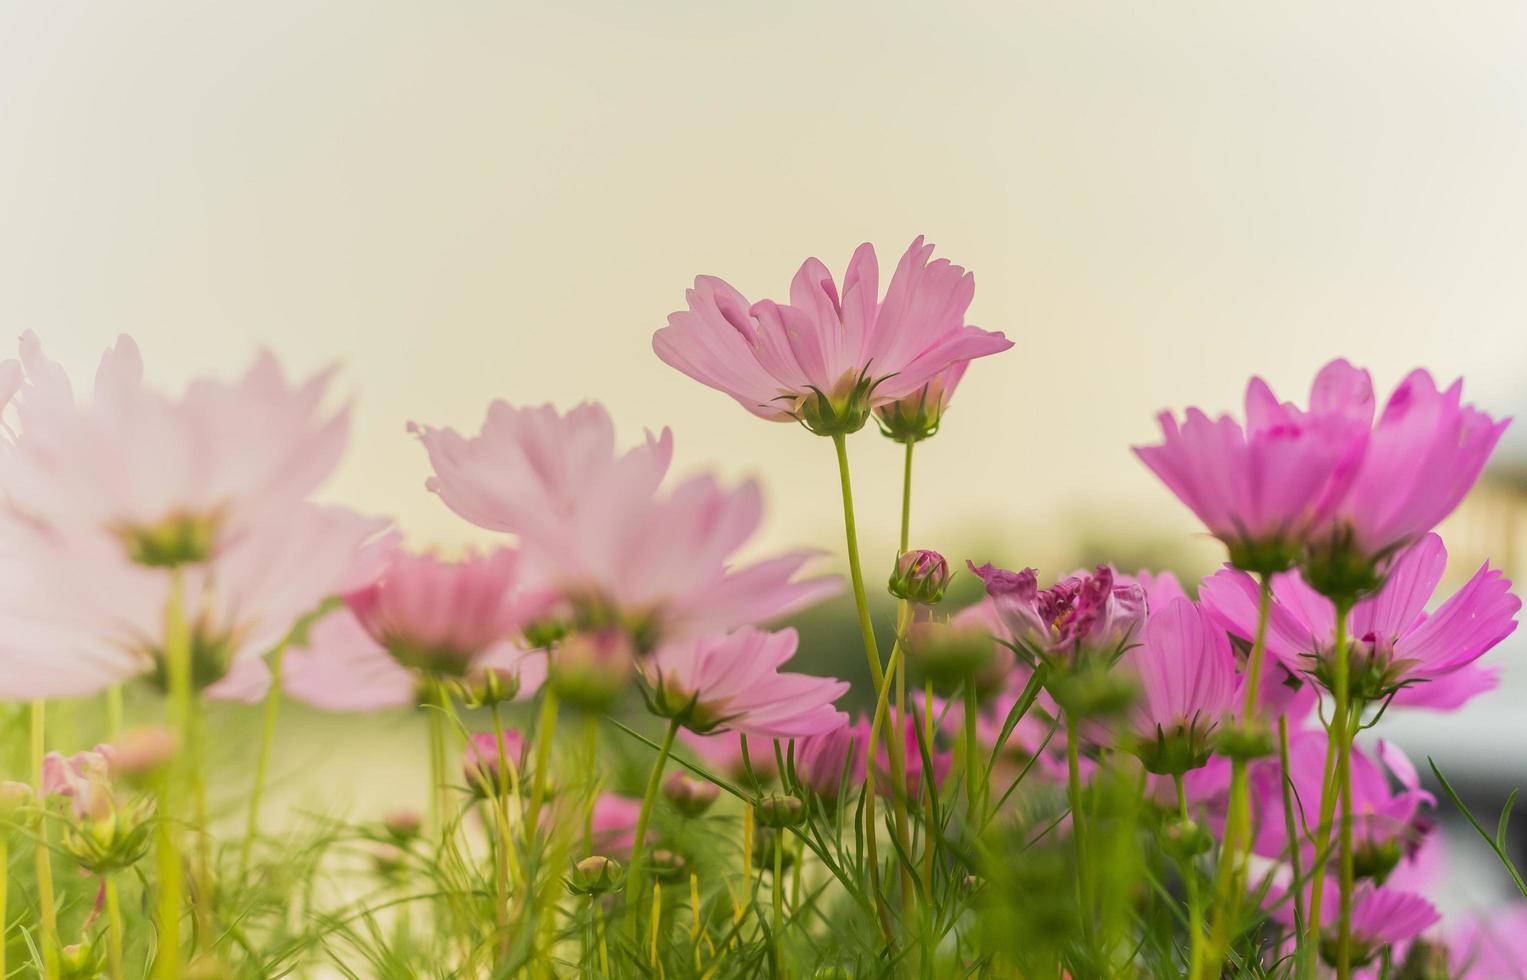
x: 500, y: 809
x: 974, y: 779
x: 1291, y: 830
x: 114, y: 711
x: 5, y: 865
x: 856, y: 573
x: 49, y: 938
x: 906, y: 498
x: 1344, y: 733
x: 634, y: 892
x: 778, y: 895
x: 114, y: 929
x: 177, y: 664
x: 1190, y: 881
x: 1078, y: 830
x: 262, y: 765
x: 546, y: 729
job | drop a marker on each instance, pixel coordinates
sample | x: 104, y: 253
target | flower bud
x: 1245, y: 741
x: 593, y: 669
x: 543, y: 633
x: 487, y: 686
x: 842, y: 413
x: 402, y: 825
x: 1185, y: 839
x: 595, y: 875
x: 14, y: 797
x: 387, y: 859
x: 139, y: 754
x: 666, y: 865
x: 690, y: 796
x: 780, y: 811
x: 920, y: 576
x: 947, y: 654
x: 80, y: 961
x: 480, y: 763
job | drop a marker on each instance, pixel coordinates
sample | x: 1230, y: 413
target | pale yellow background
x: 463, y: 201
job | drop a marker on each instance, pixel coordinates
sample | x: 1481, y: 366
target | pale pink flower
x: 84, y: 779
x: 480, y: 759
x: 1491, y: 947
x: 824, y: 760
x: 1187, y: 676
x: 612, y: 824
x: 440, y: 616
x: 1087, y: 612
x: 1423, y: 455
x: 79, y: 615
x: 1380, y: 917
x: 721, y: 753
x: 174, y: 480
x: 1427, y: 660
x: 340, y: 667
x: 733, y: 681
x: 600, y: 528
x: 827, y: 357
x: 1263, y: 488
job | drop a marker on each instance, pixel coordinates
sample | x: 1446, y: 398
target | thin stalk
x: 44, y: 854
x: 906, y: 497
x: 1344, y: 779
x: 546, y: 729
x: 177, y: 663
x: 262, y: 765
x: 1190, y: 882
x: 974, y: 779
x: 114, y: 929
x: 114, y: 711
x: 1291, y: 830
x: 634, y: 888
x: 1078, y: 830
x: 898, y: 745
x: 930, y: 833
x: 5, y: 865
x: 856, y: 573
x: 777, y: 887
x: 502, y: 843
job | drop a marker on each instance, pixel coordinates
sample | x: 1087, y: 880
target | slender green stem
x: 114, y: 929
x: 856, y: 573
x: 1190, y: 882
x: 502, y: 842
x: 974, y: 778
x: 262, y: 765
x: 177, y: 664
x: 1295, y: 841
x: 777, y: 889
x: 5, y: 884
x: 634, y: 892
x: 1078, y: 827
x: 49, y: 917
x: 906, y: 497
x: 1344, y: 719
x: 114, y: 711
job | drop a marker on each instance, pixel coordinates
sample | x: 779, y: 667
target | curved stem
x: 262, y: 765
x: 49, y: 916
x: 634, y: 892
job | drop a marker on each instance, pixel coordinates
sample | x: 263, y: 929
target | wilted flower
x: 172, y: 481
x: 1262, y: 489
x: 598, y: 528
x: 1079, y: 614
x: 485, y: 754
x: 827, y: 359
x: 1187, y: 681
x: 1423, y: 455
x: 920, y: 576
x: 733, y: 681
x: 1396, y: 647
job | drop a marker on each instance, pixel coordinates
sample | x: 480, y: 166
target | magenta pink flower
x: 1427, y: 660
x: 1423, y: 455
x: 612, y: 824
x: 1490, y: 947
x: 341, y: 667
x: 829, y: 357
x: 1388, y: 824
x: 1263, y: 488
x: 1078, y: 613
x: 79, y: 615
x: 1187, y: 676
x: 600, y: 527
x: 440, y: 616
x: 834, y: 759
x: 480, y: 760
x: 173, y: 480
x: 733, y: 681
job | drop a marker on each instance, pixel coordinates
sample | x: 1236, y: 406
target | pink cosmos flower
x: 600, y: 528
x: 341, y: 667
x: 1081, y: 612
x: 1388, y: 825
x: 828, y: 357
x: 80, y: 616
x: 1423, y: 455
x: 84, y: 779
x: 480, y: 759
x: 733, y: 681
x: 1428, y: 660
x: 1261, y: 489
x: 440, y: 616
x: 172, y: 479
x: 1380, y: 917
x: 1187, y: 676
x: 612, y: 824
x: 1491, y: 947
x: 825, y: 760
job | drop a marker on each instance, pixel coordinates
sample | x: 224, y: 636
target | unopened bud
x: 545, y: 632
x: 402, y: 825
x: 1186, y: 839
x: 920, y: 576
x: 141, y: 753
x: 487, y: 686
x: 595, y: 875
x: 14, y: 797
x: 690, y: 796
x: 387, y: 859
x: 79, y: 961
x: 666, y: 865
x: 593, y: 669
x: 780, y: 811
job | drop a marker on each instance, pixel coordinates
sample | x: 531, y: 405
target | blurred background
x: 468, y: 201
